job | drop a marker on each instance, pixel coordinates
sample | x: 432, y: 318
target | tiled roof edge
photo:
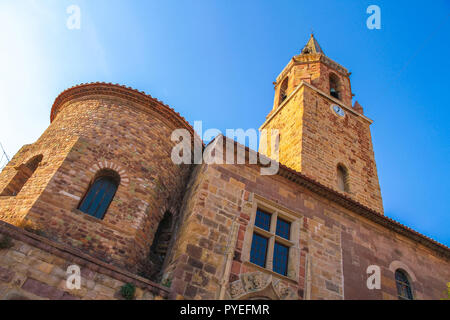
x: 352, y: 204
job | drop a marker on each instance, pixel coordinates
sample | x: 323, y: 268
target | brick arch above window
x: 110, y: 165
x: 395, y: 265
x: 100, y: 193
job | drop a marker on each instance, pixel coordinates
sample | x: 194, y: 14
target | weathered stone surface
x: 87, y: 135
x: 331, y: 244
x: 6, y: 275
x: 31, y: 278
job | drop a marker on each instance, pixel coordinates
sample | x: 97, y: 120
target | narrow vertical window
x: 280, y: 258
x: 24, y: 172
x: 258, y: 252
x: 334, y: 86
x: 283, y: 91
x: 100, y: 194
x: 159, y: 248
x: 404, y: 290
x: 162, y: 238
x: 262, y: 220
x: 283, y: 228
x: 342, y: 178
x: 280, y: 251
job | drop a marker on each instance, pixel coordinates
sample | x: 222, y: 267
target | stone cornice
x: 345, y: 201
x: 362, y: 210
x: 310, y: 58
x: 338, y: 102
x: 333, y: 64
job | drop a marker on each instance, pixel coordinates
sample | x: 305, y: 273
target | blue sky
x: 215, y: 61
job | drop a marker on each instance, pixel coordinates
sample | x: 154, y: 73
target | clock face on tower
x: 338, y: 110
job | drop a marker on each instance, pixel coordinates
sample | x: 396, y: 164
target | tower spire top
x: 312, y: 46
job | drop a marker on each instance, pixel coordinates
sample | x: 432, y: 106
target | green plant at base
x: 167, y: 283
x: 128, y: 290
x: 448, y: 292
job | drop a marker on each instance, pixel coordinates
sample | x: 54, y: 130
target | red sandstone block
x: 236, y: 267
x: 41, y: 289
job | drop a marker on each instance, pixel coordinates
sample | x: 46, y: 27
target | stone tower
x: 321, y: 134
x: 99, y: 129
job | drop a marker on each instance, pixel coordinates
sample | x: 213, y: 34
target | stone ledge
x: 81, y: 259
x: 270, y: 272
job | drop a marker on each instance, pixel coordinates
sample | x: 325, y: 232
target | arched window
x: 342, y: 178
x: 162, y: 238
x: 404, y: 290
x: 24, y: 172
x: 283, y: 91
x: 100, y: 194
x: 160, y: 246
x: 334, y: 86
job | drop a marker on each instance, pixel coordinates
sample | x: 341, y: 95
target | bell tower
x: 321, y: 134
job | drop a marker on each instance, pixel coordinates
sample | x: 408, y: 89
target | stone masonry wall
x: 86, y: 135
x: 35, y: 268
x: 336, y: 245
x: 314, y: 69
x: 289, y: 122
x: 314, y: 140
x: 329, y: 140
x: 14, y: 208
x: 196, y: 263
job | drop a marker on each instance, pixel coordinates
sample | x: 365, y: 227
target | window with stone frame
x: 100, y: 193
x: 404, y: 290
x: 272, y: 241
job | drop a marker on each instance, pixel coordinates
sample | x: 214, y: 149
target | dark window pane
x: 283, y: 228
x: 400, y: 276
x: 262, y: 220
x: 106, y: 200
x: 334, y: 93
x: 404, y: 291
x: 99, y: 196
x: 280, y: 258
x: 259, y: 250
